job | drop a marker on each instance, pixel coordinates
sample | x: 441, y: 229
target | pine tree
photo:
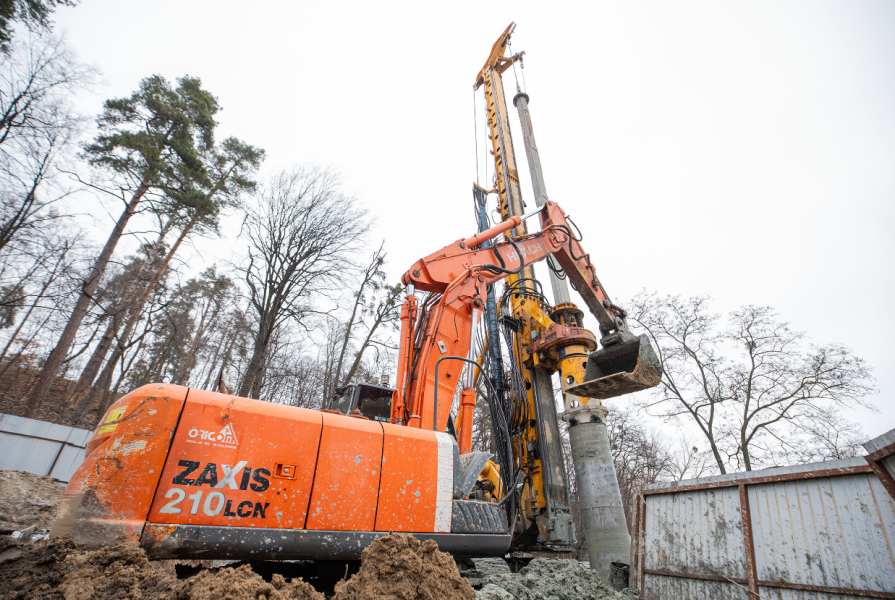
x: 153, y: 139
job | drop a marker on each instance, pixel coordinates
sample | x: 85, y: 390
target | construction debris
x: 399, y: 566
x: 27, y: 500
x: 548, y: 579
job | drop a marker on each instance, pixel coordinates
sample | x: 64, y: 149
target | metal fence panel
x: 68, y: 462
x: 698, y: 532
x: 824, y: 530
x: 40, y: 447
x: 659, y: 587
x: 881, y: 458
x: 827, y: 532
x: 771, y: 593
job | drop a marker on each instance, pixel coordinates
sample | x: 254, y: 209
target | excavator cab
x: 372, y: 401
x: 628, y: 365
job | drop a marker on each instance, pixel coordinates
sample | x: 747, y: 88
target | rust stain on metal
x: 881, y: 453
x: 158, y: 533
x: 773, y: 584
x: 837, y: 472
x: 751, y: 571
x: 880, y: 471
x: 679, y: 575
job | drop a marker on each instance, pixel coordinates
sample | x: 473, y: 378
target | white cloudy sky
x: 741, y: 150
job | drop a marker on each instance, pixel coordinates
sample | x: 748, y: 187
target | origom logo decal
x: 224, y: 437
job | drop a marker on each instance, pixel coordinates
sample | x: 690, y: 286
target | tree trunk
x: 717, y: 456
x: 91, y: 369
x: 27, y: 316
x: 57, y: 356
x: 185, y: 369
x: 133, y: 318
x: 223, y: 347
x: 256, y: 365
x: 360, y: 352
x: 747, y: 460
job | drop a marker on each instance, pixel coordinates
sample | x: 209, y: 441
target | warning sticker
x: 111, y: 422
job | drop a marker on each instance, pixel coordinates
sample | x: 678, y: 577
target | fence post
x: 748, y: 542
x: 641, y: 542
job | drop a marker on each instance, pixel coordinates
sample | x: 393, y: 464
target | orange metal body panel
x: 112, y: 490
x: 346, y: 483
x: 239, y: 463
x: 409, y: 474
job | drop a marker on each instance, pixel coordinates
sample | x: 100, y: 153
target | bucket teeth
x: 622, y: 368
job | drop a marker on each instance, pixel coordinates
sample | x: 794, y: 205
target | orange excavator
x: 198, y: 474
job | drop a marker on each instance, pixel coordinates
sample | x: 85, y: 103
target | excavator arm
x: 457, y: 277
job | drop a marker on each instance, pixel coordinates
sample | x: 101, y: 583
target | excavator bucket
x: 621, y: 368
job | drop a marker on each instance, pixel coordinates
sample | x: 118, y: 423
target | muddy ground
x: 27, y: 499
x: 61, y: 570
x: 395, y: 566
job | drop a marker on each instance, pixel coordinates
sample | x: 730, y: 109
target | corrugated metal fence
x: 823, y: 530
x: 40, y: 447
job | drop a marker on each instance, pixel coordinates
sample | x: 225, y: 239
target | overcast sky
x: 740, y: 150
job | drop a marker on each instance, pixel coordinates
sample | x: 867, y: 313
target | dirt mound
x: 60, y: 570
x: 27, y: 499
x: 244, y: 584
x: 399, y: 566
x: 553, y: 579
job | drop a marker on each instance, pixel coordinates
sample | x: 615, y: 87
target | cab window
x: 342, y: 403
x: 375, y: 403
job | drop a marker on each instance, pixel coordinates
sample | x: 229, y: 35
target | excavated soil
x: 399, y: 566
x: 545, y: 579
x: 245, y: 584
x: 60, y: 570
x: 27, y: 499
x: 394, y: 566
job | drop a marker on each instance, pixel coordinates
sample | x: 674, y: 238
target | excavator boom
x: 459, y: 275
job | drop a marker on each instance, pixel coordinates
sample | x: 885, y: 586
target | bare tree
x: 371, y: 277
x: 37, y: 128
x: 641, y: 457
x: 750, y: 385
x: 302, y: 232
x: 834, y: 438
x: 689, y: 461
x: 384, y: 311
x: 685, y: 336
